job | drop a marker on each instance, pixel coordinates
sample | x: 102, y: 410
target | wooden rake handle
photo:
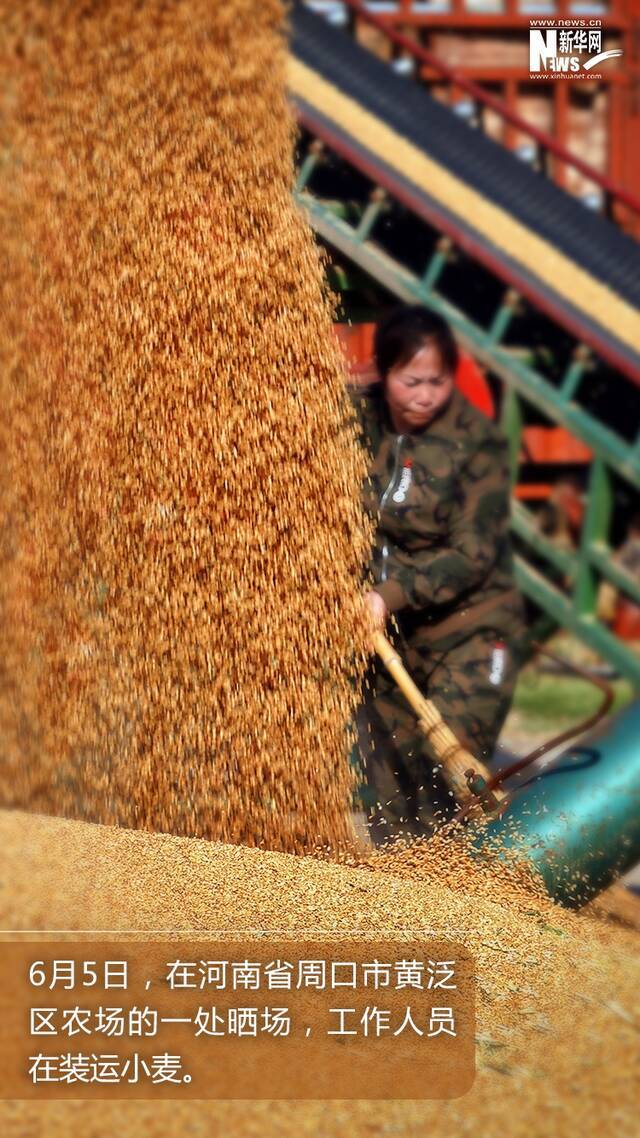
x: 454, y: 759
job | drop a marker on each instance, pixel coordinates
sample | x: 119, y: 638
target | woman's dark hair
x: 404, y: 331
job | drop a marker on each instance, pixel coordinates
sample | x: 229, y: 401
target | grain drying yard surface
x: 558, y: 1009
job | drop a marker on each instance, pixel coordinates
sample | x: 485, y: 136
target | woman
x: 442, y: 567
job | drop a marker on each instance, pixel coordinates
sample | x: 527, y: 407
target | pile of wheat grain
x: 557, y: 992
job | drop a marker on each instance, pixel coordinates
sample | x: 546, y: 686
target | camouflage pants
x: 471, y: 680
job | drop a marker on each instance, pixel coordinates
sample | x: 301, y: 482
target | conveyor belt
x: 571, y: 262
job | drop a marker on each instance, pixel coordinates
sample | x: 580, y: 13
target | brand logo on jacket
x: 405, y: 482
x: 498, y: 663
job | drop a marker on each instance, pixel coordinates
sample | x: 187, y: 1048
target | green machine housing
x: 577, y: 821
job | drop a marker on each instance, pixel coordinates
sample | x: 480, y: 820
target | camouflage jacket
x: 441, y: 499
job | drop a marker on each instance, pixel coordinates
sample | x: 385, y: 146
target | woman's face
x: 416, y: 390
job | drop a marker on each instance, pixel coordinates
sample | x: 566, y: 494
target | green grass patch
x: 543, y: 700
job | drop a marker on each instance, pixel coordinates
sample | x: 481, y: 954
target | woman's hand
x: 377, y: 610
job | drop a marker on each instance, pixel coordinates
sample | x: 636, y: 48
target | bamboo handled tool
x: 455, y: 760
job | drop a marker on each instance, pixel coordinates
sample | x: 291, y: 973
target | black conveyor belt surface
x: 589, y: 240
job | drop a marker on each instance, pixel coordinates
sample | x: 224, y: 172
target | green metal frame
x: 574, y: 609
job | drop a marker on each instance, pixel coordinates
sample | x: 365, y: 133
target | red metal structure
x: 474, y: 54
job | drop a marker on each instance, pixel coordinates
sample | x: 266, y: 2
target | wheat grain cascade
x: 182, y: 540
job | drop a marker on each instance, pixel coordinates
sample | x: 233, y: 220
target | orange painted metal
x: 554, y: 444
x: 620, y: 158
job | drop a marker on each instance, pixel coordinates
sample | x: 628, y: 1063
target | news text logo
x: 567, y: 52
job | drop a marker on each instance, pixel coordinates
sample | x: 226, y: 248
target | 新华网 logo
x: 567, y: 51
